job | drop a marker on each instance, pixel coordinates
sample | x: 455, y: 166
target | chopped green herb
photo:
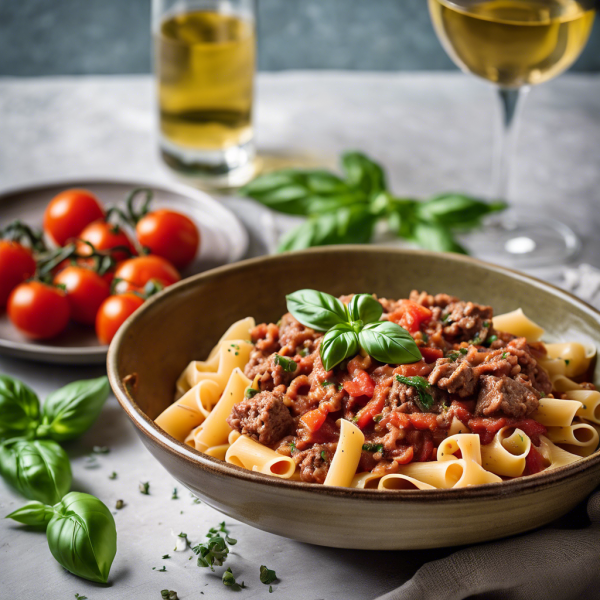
x: 119, y: 505
x: 421, y: 385
x: 165, y: 556
x: 324, y: 455
x: 113, y: 475
x: 522, y: 439
x: 169, y: 595
x: 378, y: 418
x: 267, y: 576
x: 504, y: 355
x: 229, y: 581
x: 304, y: 352
x: 463, y: 350
x: 214, y: 551
x: 163, y: 570
x: 174, y: 495
x: 373, y: 448
x: 326, y: 383
x: 491, y: 339
x: 251, y: 392
x: 293, y: 447
x: 486, y: 324
x: 445, y: 317
x: 542, y: 394
x: 453, y: 356
x: 270, y: 589
x: 79, y: 597
x: 476, y: 341
x: 425, y: 337
x: 100, y: 449
x: 355, y: 419
x: 145, y: 488
x: 287, y: 364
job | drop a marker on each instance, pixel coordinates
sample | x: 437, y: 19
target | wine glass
x: 515, y: 44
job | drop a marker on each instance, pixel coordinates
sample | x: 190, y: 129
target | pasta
x: 486, y: 402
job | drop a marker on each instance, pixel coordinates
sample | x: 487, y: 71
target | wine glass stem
x: 511, y: 102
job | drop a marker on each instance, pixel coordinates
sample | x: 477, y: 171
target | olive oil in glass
x: 513, y: 42
x: 205, y: 63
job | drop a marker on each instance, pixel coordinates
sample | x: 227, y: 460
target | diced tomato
x: 430, y: 355
x: 361, y: 384
x: 313, y: 419
x: 486, y: 427
x: 534, y: 462
x: 406, y: 457
x: 460, y: 411
x: 418, y: 368
x: 365, y: 415
x: 426, y: 450
x: 410, y: 315
x: 424, y: 421
x: 400, y: 420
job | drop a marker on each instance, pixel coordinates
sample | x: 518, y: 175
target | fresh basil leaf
x: 422, y: 386
x: 322, y: 204
x: 19, y: 408
x: 456, y: 210
x: 362, y: 172
x: 363, y: 307
x: 389, y: 343
x: 317, y: 310
x: 267, y: 575
x: 347, y: 225
x: 339, y: 343
x: 322, y: 183
x: 71, y: 410
x: 35, y: 514
x: 82, y: 536
x: 436, y: 237
x: 39, y: 469
x: 268, y: 183
x: 287, y: 364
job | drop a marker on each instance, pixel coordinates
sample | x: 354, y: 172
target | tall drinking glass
x: 515, y: 44
x: 205, y: 61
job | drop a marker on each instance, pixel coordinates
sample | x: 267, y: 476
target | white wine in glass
x: 515, y: 44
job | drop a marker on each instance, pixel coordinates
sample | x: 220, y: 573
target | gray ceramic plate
x: 183, y: 322
x: 223, y: 240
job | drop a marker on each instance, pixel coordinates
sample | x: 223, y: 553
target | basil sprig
x: 38, y: 469
x: 345, y: 210
x: 30, y: 459
x: 80, y: 530
x: 348, y: 329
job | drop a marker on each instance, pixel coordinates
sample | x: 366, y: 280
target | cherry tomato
x: 39, y: 310
x: 112, y: 314
x: 105, y: 236
x: 169, y: 234
x: 141, y: 269
x: 69, y: 213
x: 88, y: 263
x: 86, y: 291
x: 16, y: 265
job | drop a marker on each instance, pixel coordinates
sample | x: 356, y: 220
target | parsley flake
x: 324, y: 456
x: 504, y: 355
x: 229, y: 581
x: 267, y: 576
x: 144, y: 488
x: 287, y: 364
x: 421, y: 385
x: 463, y: 351
x: 174, y: 496
x: 80, y: 597
x: 250, y: 392
x: 169, y: 595
x: 373, y: 448
x: 293, y: 447
x: 119, y: 505
x: 163, y: 570
x: 165, y: 556
x: 113, y: 475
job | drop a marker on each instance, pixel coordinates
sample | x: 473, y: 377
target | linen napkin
x: 558, y: 562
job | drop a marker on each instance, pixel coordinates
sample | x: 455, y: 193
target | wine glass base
x: 523, y: 240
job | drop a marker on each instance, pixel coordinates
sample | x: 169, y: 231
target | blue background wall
x: 54, y: 37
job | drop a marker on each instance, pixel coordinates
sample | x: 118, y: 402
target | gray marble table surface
x: 432, y: 132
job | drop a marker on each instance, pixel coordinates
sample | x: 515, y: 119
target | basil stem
x: 40, y: 469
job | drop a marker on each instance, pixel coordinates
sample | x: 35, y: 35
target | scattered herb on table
x: 214, y: 551
x: 267, y: 576
x: 174, y: 495
x: 80, y: 597
x: 80, y: 530
x: 100, y: 449
x: 163, y: 570
x: 422, y: 386
x: 113, y: 475
x: 229, y: 581
x: 349, y: 328
x: 144, y: 488
x: 165, y: 556
x: 345, y: 210
x: 270, y: 589
x: 169, y: 595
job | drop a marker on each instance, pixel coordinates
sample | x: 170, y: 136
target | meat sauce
x: 472, y: 376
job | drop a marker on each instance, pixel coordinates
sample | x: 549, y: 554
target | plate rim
x: 38, y: 351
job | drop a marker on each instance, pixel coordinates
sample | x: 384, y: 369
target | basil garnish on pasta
x: 422, y: 386
x: 352, y: 328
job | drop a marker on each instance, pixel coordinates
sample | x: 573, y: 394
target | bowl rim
x: 149, y: 429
